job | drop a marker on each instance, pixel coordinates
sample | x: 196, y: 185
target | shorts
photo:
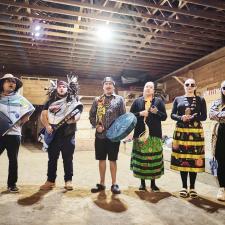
x: 104, y: 147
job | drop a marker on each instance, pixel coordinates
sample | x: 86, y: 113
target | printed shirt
x: 114, y: 107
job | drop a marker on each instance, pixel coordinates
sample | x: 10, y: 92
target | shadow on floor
x: 110, y: 202
x: 152, y: 197
x: 208, y: 205
x: 32, y: 199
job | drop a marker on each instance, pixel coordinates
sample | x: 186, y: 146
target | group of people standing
x: 188, y: 152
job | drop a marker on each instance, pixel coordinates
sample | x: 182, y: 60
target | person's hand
x: 23, y: 120
x: 153, y: 110
x: 99, y: 129
x: 185, y: 118
x: 49, y: 129
x: 144, y: 113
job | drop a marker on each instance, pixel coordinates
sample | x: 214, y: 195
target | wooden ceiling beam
x: 85, y: 67
x: 208, y: 3
x: 87, y: 50
x: 145, y: 49
x: 114, y: 58
x: 169, y: 36
x: 151, y: 51
x: 192, y: 13
x: 189, y: 22
x: 132, y: 40
x: 162, y: 42
x: 96, y: 17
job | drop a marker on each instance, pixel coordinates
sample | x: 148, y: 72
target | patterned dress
x: 147, y: 155
x: 188, y: 152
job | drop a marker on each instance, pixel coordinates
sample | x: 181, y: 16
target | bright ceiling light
x: 37, y: 34
x: 37, y: 30
x: 37, y: 27
x: 104, y: 33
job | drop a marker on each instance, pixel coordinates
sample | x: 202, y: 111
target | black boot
x: 154, y: 187
x: 142, y: 186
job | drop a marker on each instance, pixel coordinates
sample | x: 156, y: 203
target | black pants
x: 220, y: 155
x: 64, y: 145
x: 11, y: 143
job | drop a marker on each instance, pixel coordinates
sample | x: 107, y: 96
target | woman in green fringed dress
x: 147, y: 155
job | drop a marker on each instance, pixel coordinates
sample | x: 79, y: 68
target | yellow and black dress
x: 188, y: 152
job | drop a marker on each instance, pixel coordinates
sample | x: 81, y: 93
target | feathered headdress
x: 72, y: 85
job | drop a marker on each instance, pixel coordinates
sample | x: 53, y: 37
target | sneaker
x: 115, y: 189
x: 221, y: 194
x: 98, y: 188
x: 47, y: 186
x: 68, y: 185
x: 13, y: 189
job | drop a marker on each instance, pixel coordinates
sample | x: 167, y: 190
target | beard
x: 61, y: 95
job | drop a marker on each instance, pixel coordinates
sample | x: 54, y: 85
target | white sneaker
x: 221, y: 194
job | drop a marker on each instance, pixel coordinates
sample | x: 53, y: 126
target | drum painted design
x: 121, y: 127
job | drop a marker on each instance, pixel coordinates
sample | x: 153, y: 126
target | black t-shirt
x: 66, y: 129
x: 181, y: 103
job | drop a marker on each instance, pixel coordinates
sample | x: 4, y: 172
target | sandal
x: 183, y: 193
x: 193, y: 193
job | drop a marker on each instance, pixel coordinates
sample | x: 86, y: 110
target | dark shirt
x: 181, y: 103
x: 66, y: 129
x: 153, y: 120
x: 115, y: 109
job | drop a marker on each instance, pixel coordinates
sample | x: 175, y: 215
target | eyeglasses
x: 189, y: 85
x: 223, y: 88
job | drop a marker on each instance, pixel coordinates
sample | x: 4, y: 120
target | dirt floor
x: 80, y: 206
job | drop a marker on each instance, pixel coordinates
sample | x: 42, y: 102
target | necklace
x: 189, y: 106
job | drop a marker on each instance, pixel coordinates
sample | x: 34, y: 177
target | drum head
x: 5, y: 122
x: 121, y: 127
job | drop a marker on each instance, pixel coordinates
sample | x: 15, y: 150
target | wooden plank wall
x: 207, y: 77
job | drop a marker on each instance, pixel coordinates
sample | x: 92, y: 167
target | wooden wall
x: 208, y: 73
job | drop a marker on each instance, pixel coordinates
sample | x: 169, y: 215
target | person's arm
x: 202, y: 115
x: 174, y: 111
x: 136, y: 110
x: 74, y: 119
x: 215, y: 113
x: 24, y: 119
x: 45, y: 122
x: 160, y: 110
x: 92, y: 113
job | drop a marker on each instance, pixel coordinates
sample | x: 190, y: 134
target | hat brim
x: 19, y: 83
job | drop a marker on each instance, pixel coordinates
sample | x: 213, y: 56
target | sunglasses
x: 223, y: 88
x: 189, y: 85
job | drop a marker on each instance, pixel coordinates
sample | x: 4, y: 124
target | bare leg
x: 102, y: 169
x: 113, y: 169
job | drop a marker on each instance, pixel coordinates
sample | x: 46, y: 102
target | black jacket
x: 153, y: 120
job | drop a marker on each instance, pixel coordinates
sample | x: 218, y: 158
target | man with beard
x: 105, y: 109
x: 64, y: 137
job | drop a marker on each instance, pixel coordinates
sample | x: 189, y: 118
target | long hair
x: 2, y: 90
x: 1, y: 87
x: 222, y: 98
x: 72, y: 91
x: 221, y: 91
